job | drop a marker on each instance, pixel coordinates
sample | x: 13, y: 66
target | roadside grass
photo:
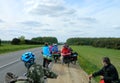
x: 90, y: 58
x: 9, y: 48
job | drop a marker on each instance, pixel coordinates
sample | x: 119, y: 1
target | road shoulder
x: 72, y: 74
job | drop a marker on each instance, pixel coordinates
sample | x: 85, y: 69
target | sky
x: 59, y: 18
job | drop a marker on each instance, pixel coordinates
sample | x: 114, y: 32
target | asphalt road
x: 10, y: 62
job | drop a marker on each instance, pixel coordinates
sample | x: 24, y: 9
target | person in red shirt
x: 65, y: 52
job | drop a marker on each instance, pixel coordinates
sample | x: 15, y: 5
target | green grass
x: 8, y: 48
x: 90, y: 58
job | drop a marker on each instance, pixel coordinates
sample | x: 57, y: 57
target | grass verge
x: 90, y: 58
x: 9, y: 48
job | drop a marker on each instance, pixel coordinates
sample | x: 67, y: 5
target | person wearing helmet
x: 28, y: 58
x: 55, y: 52
x: 50, y: 47
x: 55, y: 48
x: 46, y: 54
x: 65, y: 52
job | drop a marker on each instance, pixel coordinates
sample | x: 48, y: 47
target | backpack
x: 36, y: 73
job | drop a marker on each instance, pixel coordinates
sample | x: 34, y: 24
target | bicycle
x: 66, y: 58
x: 56, y: 56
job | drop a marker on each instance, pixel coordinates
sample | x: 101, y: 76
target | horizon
x: 67, y: 39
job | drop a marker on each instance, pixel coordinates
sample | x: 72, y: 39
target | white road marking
x: 9, y: 63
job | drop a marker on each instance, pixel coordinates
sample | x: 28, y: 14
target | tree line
x: 96, y: 42
x: 4, y: 42
x: 50, y: 40
x: 0, y: 42
x: 35, y: 41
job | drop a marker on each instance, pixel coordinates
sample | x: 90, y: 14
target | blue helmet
x: 27, y: 56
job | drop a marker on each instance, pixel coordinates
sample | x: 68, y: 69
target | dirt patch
x: 72, y: 74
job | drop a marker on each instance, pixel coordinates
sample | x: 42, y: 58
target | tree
x: 15, y: 41
x: 50, y: 40
x: 22, y: 39
x: 38, y: 39
x: 45, y: 39
x: 33, y: 42
x: 0, y: 42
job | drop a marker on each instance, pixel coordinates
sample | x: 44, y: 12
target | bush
x: 15, y: 41
x: 31, y: 42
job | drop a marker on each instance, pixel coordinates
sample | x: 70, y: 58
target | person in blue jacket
x: 55, y: 48
x: 46, y: 54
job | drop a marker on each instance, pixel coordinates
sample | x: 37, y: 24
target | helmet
x: 55, y: 44
x: 65, y: 46
x: 27, y: 56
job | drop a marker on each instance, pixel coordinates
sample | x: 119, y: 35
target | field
x: 8, y: 48
x: 90, y: 58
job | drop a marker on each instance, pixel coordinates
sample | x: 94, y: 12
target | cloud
x: 88, y: 19
x: 76, y: 31
x: 32, y: 23
x: 116, y: 27
x: 48, y: 30
x: 54, y: 8
x: 12, y: 33
x: 1, y: 21
x: 60, y: 18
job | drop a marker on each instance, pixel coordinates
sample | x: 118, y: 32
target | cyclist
x: 55, y: 52
x: 54, y: 48
x: 50, y: 47
x: 65, y: 53
x: 46, y: 54
x: 28, y: 58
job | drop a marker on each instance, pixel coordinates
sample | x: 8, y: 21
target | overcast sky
x: 59, y: 18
